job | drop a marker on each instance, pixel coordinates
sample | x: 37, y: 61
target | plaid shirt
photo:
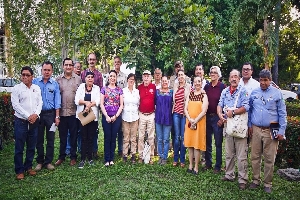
x: 98, y: 79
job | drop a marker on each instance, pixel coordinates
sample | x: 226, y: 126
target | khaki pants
x: 262, y: 144
x: 146, y: 123
x: 236, y: 148
x: 129, y: 137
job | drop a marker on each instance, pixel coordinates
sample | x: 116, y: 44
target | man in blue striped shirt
x: 266, y: 106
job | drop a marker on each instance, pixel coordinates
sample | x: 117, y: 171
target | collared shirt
x: 267, y: 106
x: 68, y: 88
x: 147, y: 98
x: 98, y: 79
x: 157, y: 86
x: 50, y: 93
x: 250, y: 85
x: 228, y: 100
x: 173, y: 80
x: 213, y: 94
x: 121, y: 79
x: 26, y: 101
x: 131, y: 105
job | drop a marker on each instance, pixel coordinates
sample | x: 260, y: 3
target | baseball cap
x: 147, y: 72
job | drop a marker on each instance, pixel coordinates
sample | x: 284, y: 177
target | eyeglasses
x: 131, y: 79
x: 212, y: 72
x: 246, y: 69
x: 71, y: 65
x: 92, y: 59
x: 27, y: 75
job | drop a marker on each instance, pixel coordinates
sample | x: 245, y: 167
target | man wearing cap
x: 68, y: 84
x: 146, y: 115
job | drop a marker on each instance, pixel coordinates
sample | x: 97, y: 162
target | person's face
x: 117, y: 64
x: 246, y: 71
x: 157, y: 75
x: 89, y: 79
x: 92, y: 60
x: 214, y: 74
x: 199, y: 71
x: 164, y: 83
x: 146, y: 78
x: 181, y: 77
x: 234, y: 79
x: 197, y: 83
x: 77, y: 68
x: 26, y: 77
x: 47, y: 71
x: 68, y: 67
x: 130, y: 81
x: 264, y: 83
x: 177, y: 67
x: 112, y: 78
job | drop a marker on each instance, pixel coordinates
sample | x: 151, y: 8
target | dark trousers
x: 87, y: 133
x: 46, y: 121
x: 95, y: 140
x: 120, y: 140
x: 67, y: 125
x: 110, y: 135
x: 23, y: 135
x: 213, y: 128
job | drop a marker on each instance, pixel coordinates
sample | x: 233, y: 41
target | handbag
x: 237, y: 126
x: 86, y: 117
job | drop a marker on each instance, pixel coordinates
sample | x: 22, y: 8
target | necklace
x: 87, y: 90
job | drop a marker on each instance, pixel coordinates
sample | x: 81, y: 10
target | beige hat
x: 147, y: 72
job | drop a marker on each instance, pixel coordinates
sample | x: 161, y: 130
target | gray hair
x: 218, y: 70
x: 239, y: 73
x: 75, y: 62
x: 265, y: 74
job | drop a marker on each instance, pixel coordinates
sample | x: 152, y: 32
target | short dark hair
x: 91, y: 54
x: 67, y: 59
x: 131, y: 75
x: 27, y: 68
x: 265, y: 74
x: 47, y: 63
x: 248, y: 63
x: 114, y: 71
x: 117, y: 57
x: 180, y: 70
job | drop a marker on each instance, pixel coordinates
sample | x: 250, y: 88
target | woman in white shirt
x: 130, y: 117
x: 87, y: 97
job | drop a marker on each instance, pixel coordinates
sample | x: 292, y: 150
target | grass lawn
x: 126, y: 181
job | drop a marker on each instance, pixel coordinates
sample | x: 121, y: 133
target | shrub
x: 288, y: 153
x: 6, y: 117
x: 293, y: 108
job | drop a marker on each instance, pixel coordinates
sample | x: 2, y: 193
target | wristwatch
x: 233, y: 113
x: 57, y: 117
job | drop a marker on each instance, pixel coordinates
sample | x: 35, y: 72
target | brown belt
x: 147, y: 113
x: 264, y: 127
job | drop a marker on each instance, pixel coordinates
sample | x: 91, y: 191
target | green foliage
x: 6, y: 116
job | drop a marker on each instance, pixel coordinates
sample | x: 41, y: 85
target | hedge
x: 6, y: 118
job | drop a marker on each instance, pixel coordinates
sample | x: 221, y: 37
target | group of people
x: 188, y: 111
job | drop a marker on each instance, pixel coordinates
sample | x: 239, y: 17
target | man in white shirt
x: 247, y: 81
x: 199, y: 72
x: 157, y: 78
x: 27, y: 103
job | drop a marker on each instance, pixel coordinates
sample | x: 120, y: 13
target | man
x: 214, y: 125
x: 146, y: 115
x: 98, y: 80
x: 247, y: 81
x: 199, y: 72
x: 235, y: 148
x: 173, y: 79
x: 77, y: 68
x: 266, y: 106
x: 157, y: 78
x: 49, y: 115
x: 68, y: 84
x: 27, y: 103
x: 121, y: 82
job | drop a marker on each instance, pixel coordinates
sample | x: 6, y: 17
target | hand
x: 222, y: 117
x: 192, y: 121
x: 57, y: 120
x: 88, y: 104
x: 250, y: 132
x: 220, y: 123
x: 32, y: 118
x: 113, y: 118
x: 280, y: 137
x: 229, y: 113
x: 108, y: 119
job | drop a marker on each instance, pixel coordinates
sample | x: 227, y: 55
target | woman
x: 111, y: 104
x: 87, y: 97
x: 195, y: 127
x: 181, y: 92
x: 163, y: 119
x: 130, y: 117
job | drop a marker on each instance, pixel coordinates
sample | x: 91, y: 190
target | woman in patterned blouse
x: 111, y: 103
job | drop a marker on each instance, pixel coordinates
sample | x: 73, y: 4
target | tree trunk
x: 277, y: 24
x: 266, y: 44
x: 7, y: 29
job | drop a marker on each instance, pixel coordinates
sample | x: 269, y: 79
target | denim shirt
x: 228, y: 100
x: 50, y: 93
x: 267, y: 106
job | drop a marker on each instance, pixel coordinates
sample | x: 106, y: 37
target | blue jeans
x: 179, y: 148
x: 110, y: 136
x: 120, y: 140
x: 68, y: 147
x: 163, y: 140
x: 23, y: 135
x: 213, y: 128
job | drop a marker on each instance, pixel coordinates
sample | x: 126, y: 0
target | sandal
x: 174, y: 164
x: 182, y: 165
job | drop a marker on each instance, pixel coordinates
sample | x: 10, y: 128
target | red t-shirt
x: 147, y: 98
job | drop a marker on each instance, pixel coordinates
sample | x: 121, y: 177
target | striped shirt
x: 179, y: 101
